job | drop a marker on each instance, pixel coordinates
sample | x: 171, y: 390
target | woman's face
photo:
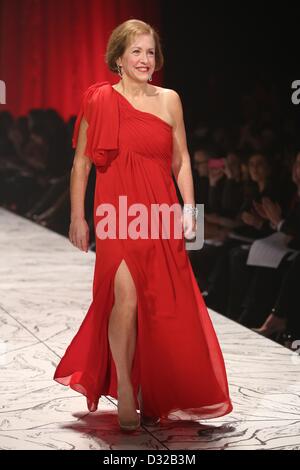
x: 296, y: 170
x: 138, y: 60
x: 258, y: 168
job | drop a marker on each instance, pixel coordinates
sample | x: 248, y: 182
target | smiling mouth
x: 143, y: 69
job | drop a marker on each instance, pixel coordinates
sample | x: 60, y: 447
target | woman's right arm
x: 79, y: 229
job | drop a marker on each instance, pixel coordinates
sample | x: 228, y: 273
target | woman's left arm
x: 181, y: 163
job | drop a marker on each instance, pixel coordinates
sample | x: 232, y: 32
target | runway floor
x: 45, y: 291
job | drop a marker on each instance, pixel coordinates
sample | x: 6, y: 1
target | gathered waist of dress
x: 161, y: 158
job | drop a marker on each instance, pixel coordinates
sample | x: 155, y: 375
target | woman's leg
x: 284, y: 283
x: 262, y: 293
x: 122, y: 330
x: 287, y: 303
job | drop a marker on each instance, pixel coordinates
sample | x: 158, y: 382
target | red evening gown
x: 178, y: 362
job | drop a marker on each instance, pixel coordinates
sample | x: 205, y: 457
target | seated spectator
x: 225, y: 191
x: 252, y: 289
x: 248, y: 225
x: 284, y: 317
x: 232, y: 191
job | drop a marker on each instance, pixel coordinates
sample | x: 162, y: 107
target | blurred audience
x: 35, y: 163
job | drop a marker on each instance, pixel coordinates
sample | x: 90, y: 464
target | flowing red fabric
x: 178, y: 362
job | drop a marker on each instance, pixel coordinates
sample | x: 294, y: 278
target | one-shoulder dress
x: 178, y: 363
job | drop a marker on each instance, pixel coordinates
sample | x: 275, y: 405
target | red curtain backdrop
x: 52, y: 50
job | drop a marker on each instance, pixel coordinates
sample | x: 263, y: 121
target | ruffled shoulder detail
x: 99, y: 106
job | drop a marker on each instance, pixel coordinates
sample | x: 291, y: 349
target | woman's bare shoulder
x: 171, y: 100
x: 168, y: 96
x: 164, y: 91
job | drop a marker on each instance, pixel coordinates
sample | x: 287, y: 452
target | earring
x: 150, y: 78
x: 119, y: 70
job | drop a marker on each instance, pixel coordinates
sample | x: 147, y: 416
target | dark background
x: 229, y: 47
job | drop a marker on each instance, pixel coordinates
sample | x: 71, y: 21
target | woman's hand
x: 260, y: 210
x: 79, y: 234
x: 272, y: 210
x: 189, y: 225
x: 252, y: 219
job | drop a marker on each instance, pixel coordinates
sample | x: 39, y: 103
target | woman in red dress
x: 147, y: 338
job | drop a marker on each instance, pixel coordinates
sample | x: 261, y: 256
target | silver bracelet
x: 189, y: 209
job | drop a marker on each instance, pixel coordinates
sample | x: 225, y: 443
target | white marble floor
x: 45, y: 290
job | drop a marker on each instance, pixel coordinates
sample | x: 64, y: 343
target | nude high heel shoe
x: 129, y: 426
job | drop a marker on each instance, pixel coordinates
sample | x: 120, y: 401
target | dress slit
x: 135, y: 374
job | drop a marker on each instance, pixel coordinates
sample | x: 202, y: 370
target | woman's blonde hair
x: 122, y: 36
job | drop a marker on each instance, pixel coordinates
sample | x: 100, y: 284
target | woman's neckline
x: 139, y: 111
